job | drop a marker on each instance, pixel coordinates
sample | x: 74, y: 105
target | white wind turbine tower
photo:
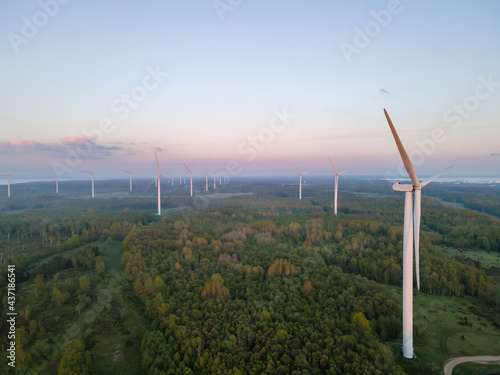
x: 92, y: 173
x: 206, y: 180
x: 130, y: 173
x: 157, y: 178
x: 57, y: 184
x: 411, y: 233
x: 8, y: 183
x: 214, y: 181
x: 336, y: 183
x: 300, y: 180
x: 191, y: 178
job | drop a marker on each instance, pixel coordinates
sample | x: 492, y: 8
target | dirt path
x: 448, y: 366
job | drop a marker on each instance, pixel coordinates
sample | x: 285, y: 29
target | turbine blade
x: 331, y: 162
x: 152, y: 182
x: 298, y: 169
x: 306, y: 172
x: 187, y: 168
x: 347, y: 170
x: 435, y: 176
x: 126, y: 171
x: 158, y: 165
x: 416, y: 232
x: 404, y: 156
x: 86, y: 172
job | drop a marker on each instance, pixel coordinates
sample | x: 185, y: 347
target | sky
x: 248, y: 87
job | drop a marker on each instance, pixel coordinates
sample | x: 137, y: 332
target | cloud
x: 74, y: 139
x: 495, y: 154
x: 86, y: 147
x: 384, y: 91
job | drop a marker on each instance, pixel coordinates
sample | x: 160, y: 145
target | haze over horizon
x: 249, y: 88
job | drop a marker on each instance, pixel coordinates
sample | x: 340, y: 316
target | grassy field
x: 487, y: 259
x: 475, y: 368
x: 445, y: 327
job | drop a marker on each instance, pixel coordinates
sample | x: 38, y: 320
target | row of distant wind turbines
x: 411, y: 231
x: 158, y: 175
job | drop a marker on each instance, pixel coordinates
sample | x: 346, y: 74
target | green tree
x: 75, y: 360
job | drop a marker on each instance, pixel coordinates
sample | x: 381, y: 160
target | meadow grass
x: 487, y: 259
x: 476, y: 368
x: 445, y: 327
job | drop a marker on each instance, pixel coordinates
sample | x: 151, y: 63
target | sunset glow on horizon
x: 92, y: 86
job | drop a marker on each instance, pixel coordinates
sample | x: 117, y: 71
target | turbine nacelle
x: 398, y: 186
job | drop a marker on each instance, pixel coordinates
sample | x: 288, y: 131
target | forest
x: 240, y: 283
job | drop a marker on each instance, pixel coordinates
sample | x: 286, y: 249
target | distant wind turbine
x: 191, y: 178
x: 300, y: 180
x: 206, y: 180
x: 57, y: 184
x: 130, y: 173
x: 92, y: 173
x: 158, y: 176
x: 8, y: 183
x: 220, y: 180
x: 411, y: 233
x: 336, y: 183
x: 214, y: 181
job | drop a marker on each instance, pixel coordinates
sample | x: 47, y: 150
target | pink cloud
x: 20, y: 143
x: 74, y: 138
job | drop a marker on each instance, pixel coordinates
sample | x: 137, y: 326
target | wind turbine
x: 92, y: 173
x: 57, y: 184
x: 157, y: 178
x: 411, y: 233
x: 206, y: 180
x: 8, y: 184
x: 300, y: 180
x: 130, y: 173
x: 336, y: 183
x: 214, y: 181
x: 191, y: 178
